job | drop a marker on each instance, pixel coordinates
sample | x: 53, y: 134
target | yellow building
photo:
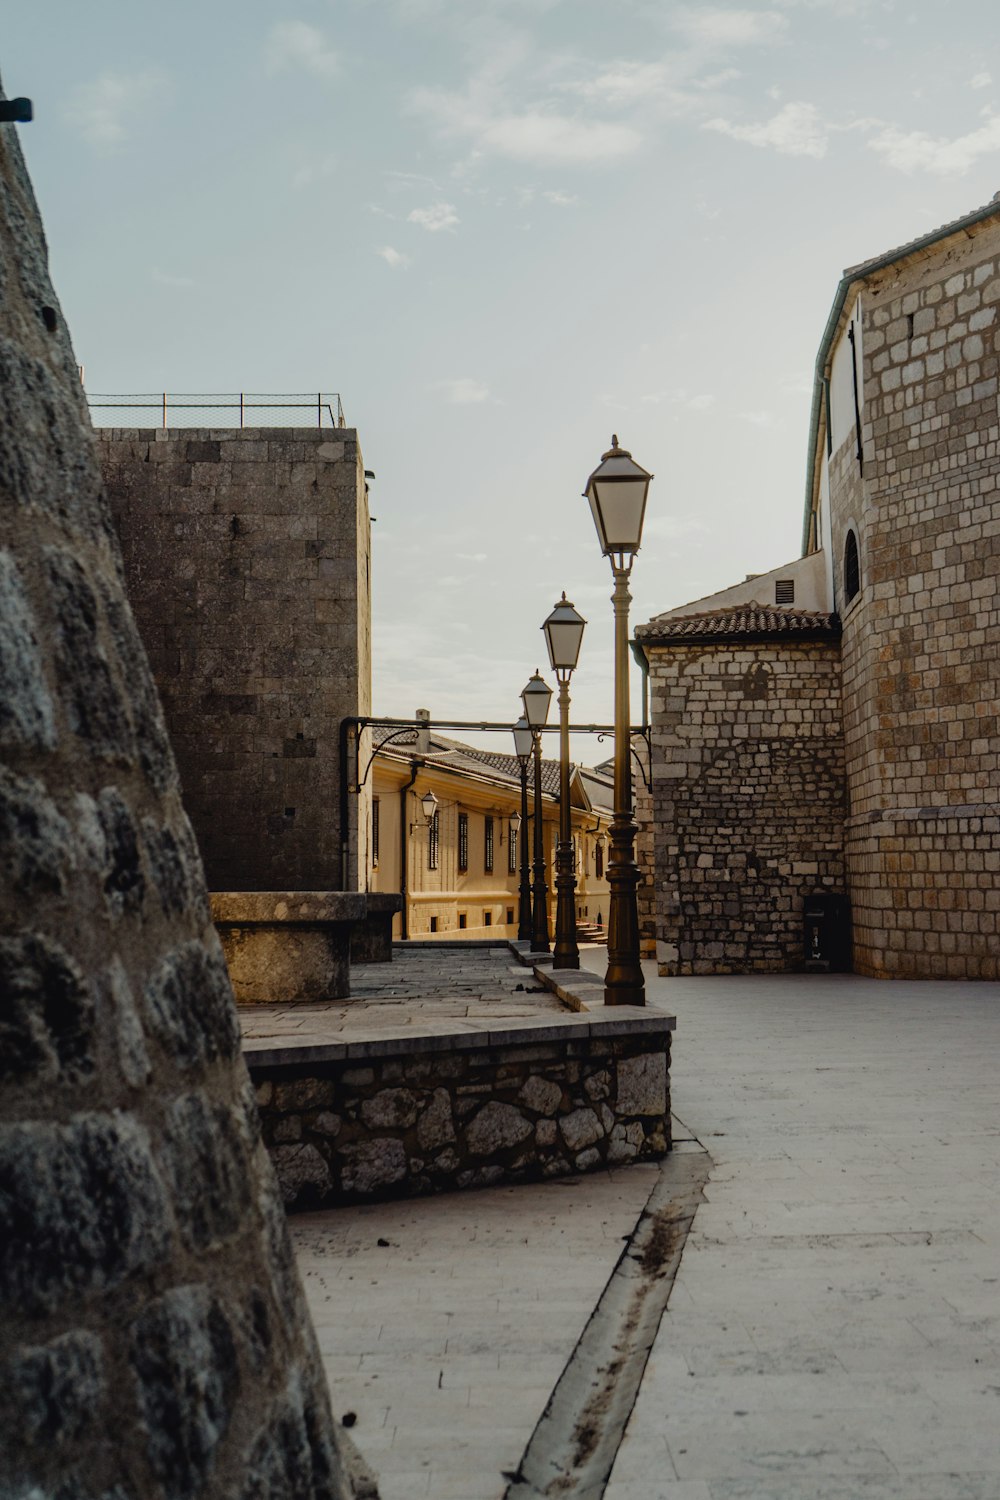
x: 460, y: 874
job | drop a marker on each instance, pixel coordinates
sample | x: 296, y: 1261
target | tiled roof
x: 452, y: 754
x: 751, y: 619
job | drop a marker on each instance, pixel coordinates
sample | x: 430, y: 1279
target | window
x: 488, y: 845
x: 487, y: 919
x: 461, y: 919
x: 510, y: 916
x: 433, y: 841
x: 512, y: 852
x: 599, y: 861
x: 852, y: 568
x: 463, y: 841
x: 784, y: 591
x: 375, y: 832
x: 434, y: 924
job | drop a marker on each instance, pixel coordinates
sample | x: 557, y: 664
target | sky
x: 503, y: 230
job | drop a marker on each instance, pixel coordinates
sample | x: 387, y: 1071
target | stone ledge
x: 599, y: 1021
x: 248, y: 908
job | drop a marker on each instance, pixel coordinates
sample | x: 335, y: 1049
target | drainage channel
x: 572, y: 1450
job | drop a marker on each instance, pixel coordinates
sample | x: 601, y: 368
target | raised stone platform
x: 290, y: 947
x: 455, y: 1069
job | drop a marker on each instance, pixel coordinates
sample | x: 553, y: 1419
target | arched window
x: 852, y: 568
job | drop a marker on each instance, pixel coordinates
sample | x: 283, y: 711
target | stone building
x: 247, y: 558
x: 155, y: 1338
x: 833, y: 724
x: 460, y: 875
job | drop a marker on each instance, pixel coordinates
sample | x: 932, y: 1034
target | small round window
x: 852, y: 568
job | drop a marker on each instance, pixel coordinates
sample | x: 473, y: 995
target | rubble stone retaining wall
x: 423, y: 1121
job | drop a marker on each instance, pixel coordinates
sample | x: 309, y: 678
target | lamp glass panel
x: 515, y: 822
x: 536, y: 698
x: 621, y: 505
x: 522, y: 739
x: 563, y: 638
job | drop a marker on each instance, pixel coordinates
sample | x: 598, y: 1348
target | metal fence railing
x: 164, y: 409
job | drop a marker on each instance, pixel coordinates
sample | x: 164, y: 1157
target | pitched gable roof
x: 742, y: 622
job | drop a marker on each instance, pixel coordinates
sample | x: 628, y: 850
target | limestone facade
x: 247, y: 563
x: 155, y: 1340
x: 921, y: 650
x: 901, y: 549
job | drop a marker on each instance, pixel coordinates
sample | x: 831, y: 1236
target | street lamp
x: 617, y: 492
x: 536, y: 697
x: 522, y: 749
x: 563, y: 635
x: 429, y: 805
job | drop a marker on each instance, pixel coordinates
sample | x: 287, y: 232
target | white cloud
x: 915, y: 151
x: 796, y: 130
x: 538, y: 134
x: 435, y: 218
x: 765, y: 419
x: 103, y: 110
x: 464, y: 391
x: 296, y: 44
x: 623, y: 83
x: 554, y: 139
x: 394, y: 258
x: 560, y: 200
x: 717, y: 27
x: 671, y: 528
x: 981, y: 81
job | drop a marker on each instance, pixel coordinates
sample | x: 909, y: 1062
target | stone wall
x: 748, y: 799
x: 425, y: 1119
x: 645, y: 848
x: 247, y: 565
x: 920, y: 643
x: 155, y: 1340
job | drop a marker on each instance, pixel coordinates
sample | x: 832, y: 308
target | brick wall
x: 247, y: 565
x: 748, y: 799
x: 920, y: 642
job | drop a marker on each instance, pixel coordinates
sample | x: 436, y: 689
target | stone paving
x: 421, y: 987
x: 834, y: 1331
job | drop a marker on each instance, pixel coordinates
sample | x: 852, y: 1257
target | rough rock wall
x: 154, y: 1338
x: 748, y: 799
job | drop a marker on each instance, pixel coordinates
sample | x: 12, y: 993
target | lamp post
x: 536, y: 697
x: 563, y: 635
x: 617, y: 492
x: 522, y: 749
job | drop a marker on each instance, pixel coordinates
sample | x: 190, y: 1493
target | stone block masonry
x: 155, y: 1341
x: 921, y: 650
x: 748, y: 797
x: 397, y: 1118
x: 247, y: 563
